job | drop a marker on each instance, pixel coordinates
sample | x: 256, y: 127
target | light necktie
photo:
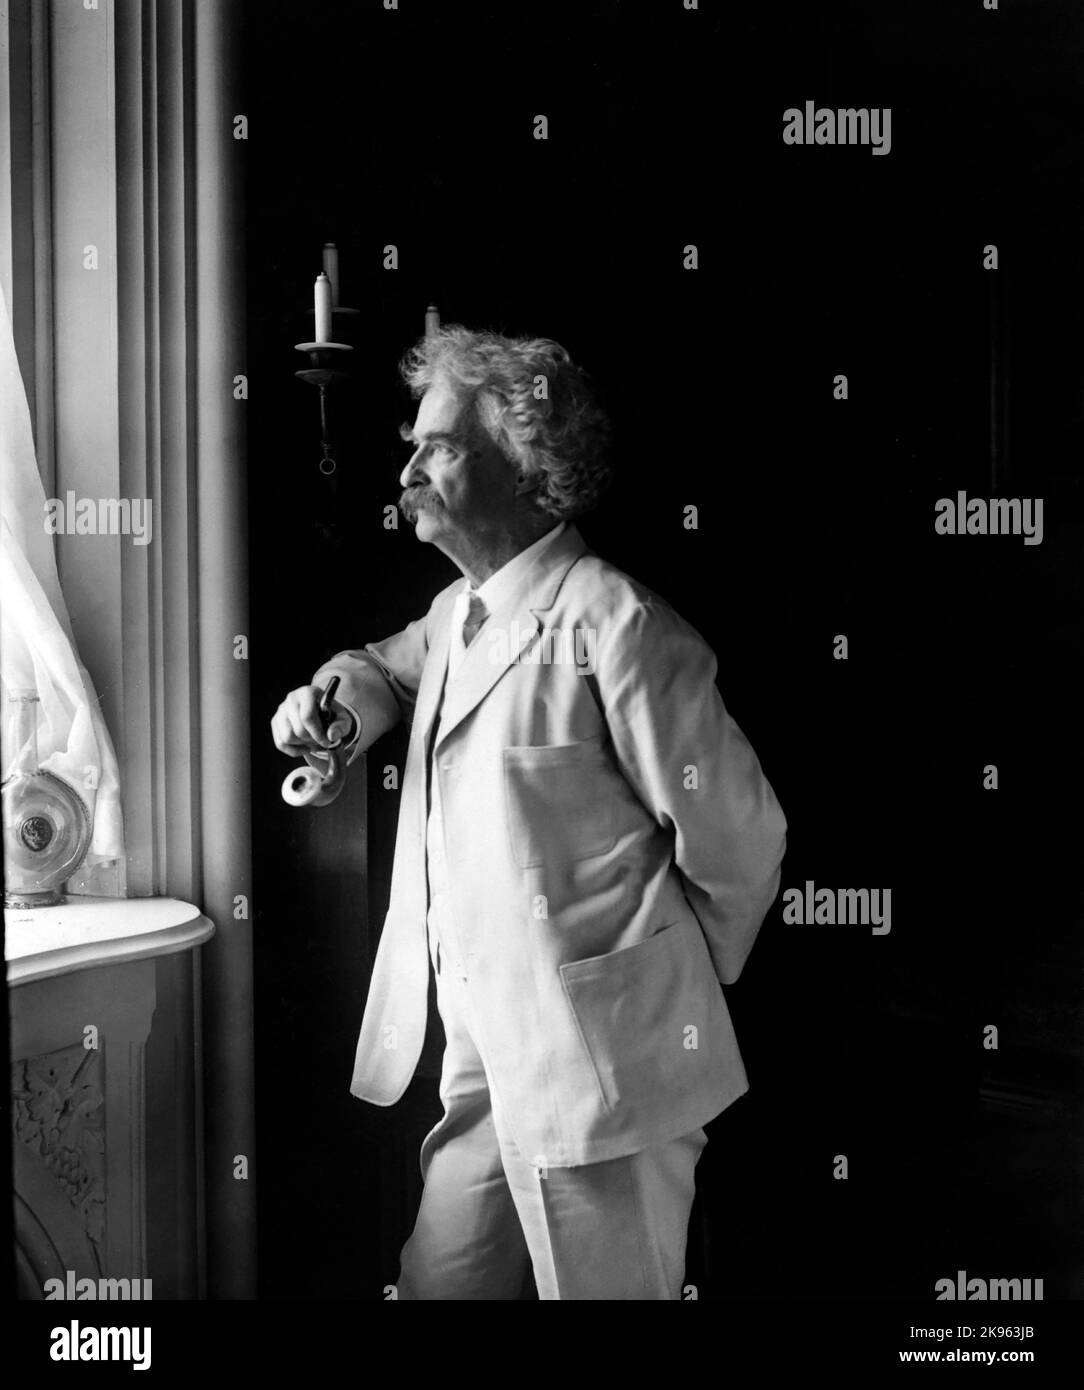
x: 476, y: 616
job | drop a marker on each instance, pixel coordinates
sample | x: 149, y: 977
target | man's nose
x: 412, y: 472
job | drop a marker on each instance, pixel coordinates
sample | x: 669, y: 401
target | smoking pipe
x: 325, y: 776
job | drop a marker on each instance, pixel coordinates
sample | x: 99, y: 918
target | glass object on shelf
x: 46, y: 822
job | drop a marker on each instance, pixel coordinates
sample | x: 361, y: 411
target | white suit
x: 610, y: 847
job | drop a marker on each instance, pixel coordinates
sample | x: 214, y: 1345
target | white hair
x: 559, y: 441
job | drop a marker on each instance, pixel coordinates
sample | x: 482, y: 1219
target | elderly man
x: 587, y: 847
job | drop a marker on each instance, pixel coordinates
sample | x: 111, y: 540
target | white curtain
x: 36, y: 644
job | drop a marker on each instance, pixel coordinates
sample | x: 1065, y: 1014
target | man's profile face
x: 457, y: 486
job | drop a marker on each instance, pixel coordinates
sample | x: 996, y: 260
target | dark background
x: 414, y: 127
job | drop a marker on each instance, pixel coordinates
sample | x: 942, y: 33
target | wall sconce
x: 327, y: 357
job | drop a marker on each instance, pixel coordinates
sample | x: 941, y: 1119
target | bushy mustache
x: 414, y: 499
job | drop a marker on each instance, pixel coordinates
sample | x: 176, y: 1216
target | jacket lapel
x: 434, y: 671
x: 485, y: 663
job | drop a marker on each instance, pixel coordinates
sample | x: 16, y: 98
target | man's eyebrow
x: 406, y: 433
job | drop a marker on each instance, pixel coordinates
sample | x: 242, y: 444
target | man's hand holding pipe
x: 297, y: 727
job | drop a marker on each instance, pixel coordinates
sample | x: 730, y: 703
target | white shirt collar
x: 496, y: 590
x: 500, y: 587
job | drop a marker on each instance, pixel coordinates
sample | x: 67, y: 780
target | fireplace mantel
x: 87, y: 932
x: 106, y: 1080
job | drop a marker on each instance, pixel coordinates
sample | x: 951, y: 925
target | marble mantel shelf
x: 86, y: 932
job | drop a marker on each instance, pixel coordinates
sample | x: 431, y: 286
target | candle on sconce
x: 331, y: 270
x: 323, y: 309
x: 432, y: 321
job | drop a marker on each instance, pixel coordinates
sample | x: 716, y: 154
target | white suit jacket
x: 612, y: 848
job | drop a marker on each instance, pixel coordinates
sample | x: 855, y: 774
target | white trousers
x: 612, y: 1230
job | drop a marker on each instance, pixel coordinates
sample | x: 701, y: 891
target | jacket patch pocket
x: 649, y: 1017
x: 559, y: 802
